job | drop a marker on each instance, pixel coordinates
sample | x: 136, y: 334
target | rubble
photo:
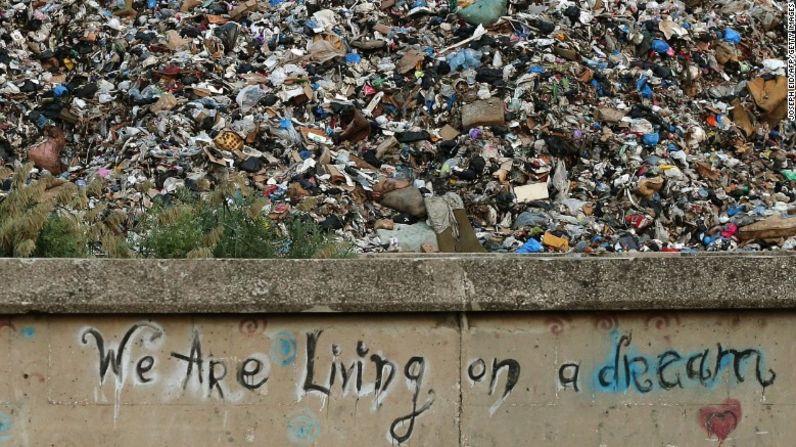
x: 775, y: 227
x: 585, y: 126
x: 407, y: 200
x: 531, y: 192
x: 487, y: 112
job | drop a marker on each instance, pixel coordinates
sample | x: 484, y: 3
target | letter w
x: 111, y: 358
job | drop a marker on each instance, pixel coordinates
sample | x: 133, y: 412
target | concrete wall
x: 557, y: 379
x: 635, y: 351
x: 399, y: 284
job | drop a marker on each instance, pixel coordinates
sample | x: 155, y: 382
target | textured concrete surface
x: 685, y: 379
x: 398, y: 284
x: 628, y: 379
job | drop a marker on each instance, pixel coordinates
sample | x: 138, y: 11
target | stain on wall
x: 6, y: 424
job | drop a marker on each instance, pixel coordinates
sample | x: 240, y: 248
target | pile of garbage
x: 421, y: 125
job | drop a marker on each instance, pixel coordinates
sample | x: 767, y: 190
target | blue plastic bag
x: 733, y: 210
x: 42, y: 121
x: 644, y: 88
x: 598, y: 88
x: 731, y: 36
x: 651, y: 139
x: 532, y: 246
x: 660, y: 46
x: 536, y: 69
x: 60, y: 90
x: 464, y: 59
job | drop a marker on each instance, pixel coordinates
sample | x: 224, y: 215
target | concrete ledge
x: 399, y: 284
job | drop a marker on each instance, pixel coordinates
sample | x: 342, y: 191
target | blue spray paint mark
x: 626, y: 369
x: 6, y: 422
x: 283, y: 351
x: 303, y: 429
x: 28, y: 331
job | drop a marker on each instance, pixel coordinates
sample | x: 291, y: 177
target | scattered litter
x: 469, y: 125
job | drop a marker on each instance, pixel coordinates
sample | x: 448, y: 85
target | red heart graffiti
x: 721, y: 420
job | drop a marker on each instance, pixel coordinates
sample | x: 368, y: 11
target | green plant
x: 307, y: 240
x: 229, y: 223
x: 195, y: 227
x: 29, y: 222
x: 50, y: 217
x: 105, y: 227
x: 61, y: 237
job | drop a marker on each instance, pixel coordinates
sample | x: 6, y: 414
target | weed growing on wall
x: 34, y: 220
x: 213, y: 227
x: 50, y: 217
x: 233, y: 226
